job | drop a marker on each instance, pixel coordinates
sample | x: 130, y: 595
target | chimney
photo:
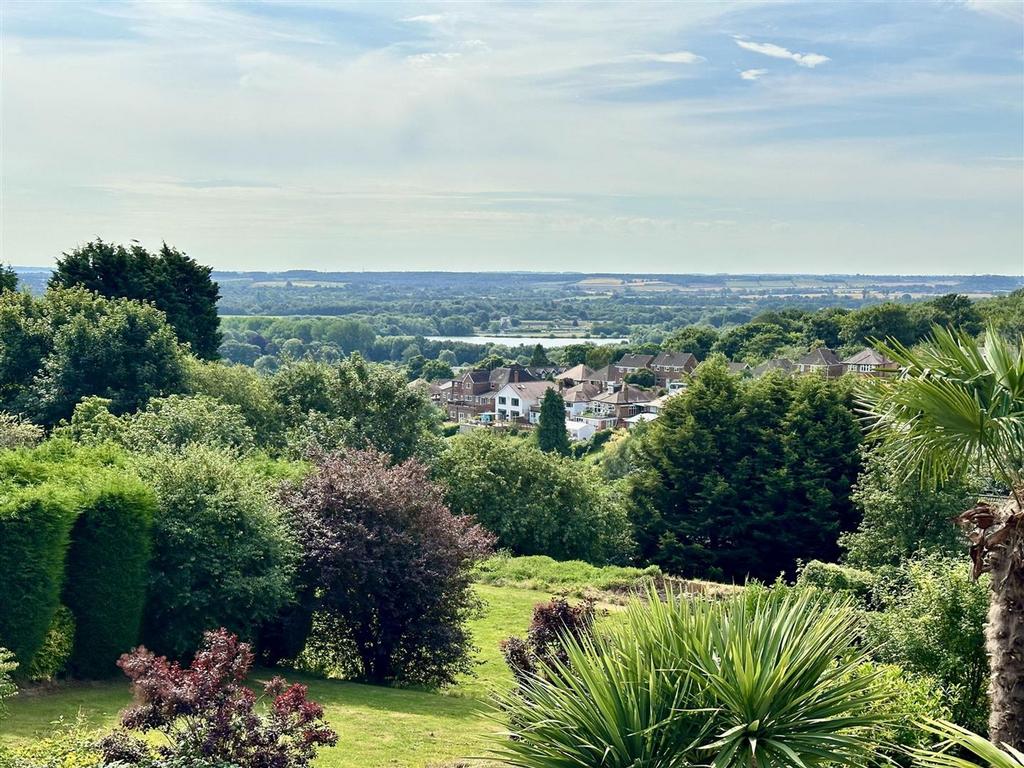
x: 515, y: 374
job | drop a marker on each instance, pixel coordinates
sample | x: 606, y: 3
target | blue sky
x: 629, y: 137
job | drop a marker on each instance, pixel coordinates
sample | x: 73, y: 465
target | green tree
x: 901, y: 520
x: 539, y: 357
x: 695, y: 339
x: 435, y: 369
x: 8, y: 278
x: 754, y: 342
x: 173, y: 282
x: 551, y: 433
x: 881, y: 321
x: 535, y: 503
x: 953, y: 310
x: 958, y: 408
x: 643, y: 377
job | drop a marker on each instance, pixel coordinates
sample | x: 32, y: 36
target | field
x: 377, y: 726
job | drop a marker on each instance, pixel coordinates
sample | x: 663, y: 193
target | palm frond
x: 956, y: 739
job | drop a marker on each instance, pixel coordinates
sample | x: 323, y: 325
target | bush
x: 209, y: 715
x: 54, y: 654
x: 388, y: 569
x: 931, y: 622
x: 553, y: 626
x: 222, y: 554
x: 107, y: 571
x: 764, y: 683
x: 68, y: 745
x: 16, y: 432
x: 35, y: 528
x: 7, y: 686
x: 535, y: 503
x: 837, y: 578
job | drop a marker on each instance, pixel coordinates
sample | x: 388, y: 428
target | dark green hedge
x: 106, y: 571
x: 35, y: 528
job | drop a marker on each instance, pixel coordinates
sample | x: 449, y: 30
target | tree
x: 435, y: 369
x: 387, y: 569
x: 222, y: 553
x: 958, y: 408
x: 953, y: 310
x: 535, y: 503
x: 899, y: 519
x: 754, y: 341
x: 8, y: 279
x: 71, y: 344
x: 644, y: 377
x: 173, y: 282
x: 551, y: 433
x: 539, y: 358
x: 695, y: 339
x: 881, y: 321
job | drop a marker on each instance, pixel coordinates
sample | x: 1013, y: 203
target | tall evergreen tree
x: 8, y: 279
x: 551, y: 434
x: 171, y: 281
x: 539, y: 356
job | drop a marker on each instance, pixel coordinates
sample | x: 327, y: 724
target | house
x: 578, y: 398
x: 520, y: 400
x: 579, y: 430
x: 499, y: 377
x: 821, y: 360
x: 631, y: 363
x: 607, y: 377
x: 776, y: 364
x: 739, y: 368
x: 870, y: 362
x: 471, y: 395
x: 573, y: 376
x: 622, y: 402
x: 657, y: 405
x: 672, y: 367
x: 544, y: 371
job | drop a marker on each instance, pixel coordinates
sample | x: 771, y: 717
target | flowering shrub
x: 207, y: 713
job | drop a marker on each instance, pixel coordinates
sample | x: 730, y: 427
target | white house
x: 578, y: 398
x: 516, y: 399
x: 579, y: 430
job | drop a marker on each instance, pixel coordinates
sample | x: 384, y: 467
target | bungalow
x: 622, y: 403
x: 672, y: 367
x: 870, y: 362
x: 520, y: 400
x: 821, y: 360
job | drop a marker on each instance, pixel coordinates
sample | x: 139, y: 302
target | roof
x: 576, y: 426
x: 819, y: 356
x: 776, y: 364
x: 625, y: 395
x: 660, y: 402
x: 581, y: 393
x: 868, y: 356
x: 608, y: 373
x: 530, y: 390
x: 738, y: 367
x: 499, y: 377
x: 634, y: 361
x: 576, y: 373
x: 683, y: 360
x: 477, y: 377
x: 638, y: 417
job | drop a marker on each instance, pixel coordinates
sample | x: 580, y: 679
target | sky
x: 597, y: 137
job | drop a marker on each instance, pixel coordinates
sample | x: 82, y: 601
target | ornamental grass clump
x: 756, y: 681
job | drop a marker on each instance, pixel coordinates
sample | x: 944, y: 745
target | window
x: 515, y: 401
x: 501, y: 401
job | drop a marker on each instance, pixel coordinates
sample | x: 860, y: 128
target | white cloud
x: 676, y: 57
x: 425, y: 18
x: 753, y: 74
x: 1008, y: 10
x: 809, y: 60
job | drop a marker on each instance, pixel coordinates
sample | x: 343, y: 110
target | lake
x: 530, y: 341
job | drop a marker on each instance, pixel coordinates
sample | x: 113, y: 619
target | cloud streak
x: 809, y: 60
x: 753, y: 74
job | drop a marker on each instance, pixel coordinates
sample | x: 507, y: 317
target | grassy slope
x: 377, y: 726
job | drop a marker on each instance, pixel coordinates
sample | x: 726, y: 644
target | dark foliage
x: 107, y: 572
x: 544, y: 645
x: 175, y: 283
x: 388, y: 564
x: 35, y: 528
x: 8, y: 279
x: 207, y: 713
x: 551, y: 434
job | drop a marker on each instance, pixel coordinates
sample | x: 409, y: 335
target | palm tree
x: 957, y: 407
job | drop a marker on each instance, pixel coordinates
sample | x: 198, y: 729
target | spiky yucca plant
x: 959, y: 407
x: 956, y: 739
x: 744, y: 683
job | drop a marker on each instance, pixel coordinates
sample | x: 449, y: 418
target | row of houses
x: 603, y: 398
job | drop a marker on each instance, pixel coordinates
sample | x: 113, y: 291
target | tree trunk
x: 1004, y: 636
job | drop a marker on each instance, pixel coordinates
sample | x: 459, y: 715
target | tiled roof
x: 682, y: 360
x: 581, y: 393
x: 868, y: 356
x: 531, y: 390
x: 608, y: 373
x: 576, y: 373
x: 819, y: 356
x: 499, y: 377
x: 625, y: 395
x: 777, y: 364
x: 634, y: 361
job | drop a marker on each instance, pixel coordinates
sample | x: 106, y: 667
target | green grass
x: 378, y: 727
x: 572, y: 577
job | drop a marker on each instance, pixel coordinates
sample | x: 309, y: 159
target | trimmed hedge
x: 54, y: 654
x: 35, y: 528
x: 107, y: 571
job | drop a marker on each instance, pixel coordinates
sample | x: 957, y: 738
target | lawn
x: 377, y: 726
